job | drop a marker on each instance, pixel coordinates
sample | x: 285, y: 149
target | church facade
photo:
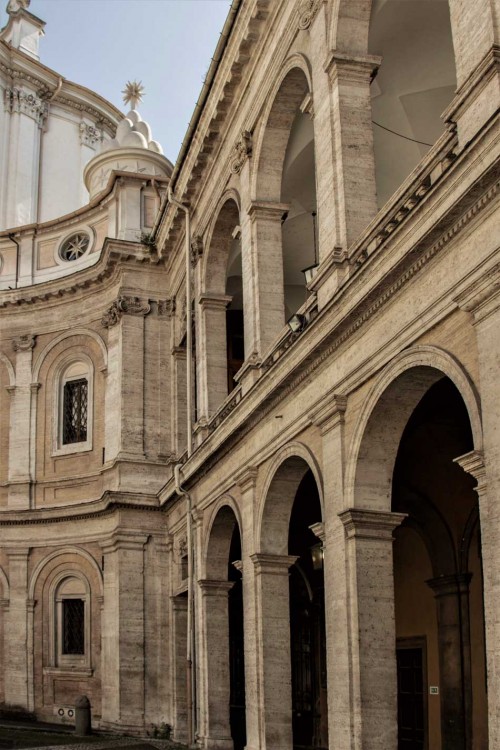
x: 249, y: 402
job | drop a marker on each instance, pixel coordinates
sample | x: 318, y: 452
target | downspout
x: 190, y: 646
x: 16, y: 243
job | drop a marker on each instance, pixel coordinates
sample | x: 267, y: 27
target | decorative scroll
x: 124, y: 305
x: 243, y: 149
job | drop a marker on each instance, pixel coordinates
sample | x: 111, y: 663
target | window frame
x: 63, y: 376
x: 57, y: 658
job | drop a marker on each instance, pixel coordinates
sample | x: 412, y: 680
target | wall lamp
x: 297, y: 323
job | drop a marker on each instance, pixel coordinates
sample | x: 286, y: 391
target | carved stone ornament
x: 24, y: 343
x: 243, y: 150
x: 90, y: 135
x: 27, y: 103
x: 124, y: 305
x: 307, y: 12
x: 196, y: 249
x: 13, y: 6
x: 165, y: 307
x: 183, y: 547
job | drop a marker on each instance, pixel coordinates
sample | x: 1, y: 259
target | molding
x: 26, y: 103
x: 318, y: 529
x: 247, y: 479
x: 473, y: 463
x: 267, y: 210
x: 125, y: 540
x: 213, y: 301
x: 330, y: 413
x: 341, y: 67
x: 272, y: 564
x: 375, y: 525
x: 215, y: 588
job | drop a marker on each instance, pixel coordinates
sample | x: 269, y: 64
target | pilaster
x: 212, y: 353
x: 20, y: 438
x: 16, y: 640
x: 372, y: 631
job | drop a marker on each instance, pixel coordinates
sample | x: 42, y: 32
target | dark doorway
x: 236, y: 647
x: 411, y: 697
x: 307, y: 633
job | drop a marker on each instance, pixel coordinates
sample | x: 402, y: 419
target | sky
x: 166, y: 44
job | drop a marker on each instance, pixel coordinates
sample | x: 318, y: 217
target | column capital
x: 24, y: 343
x: 272, y: 564
x: 360, y: 523
x: 330, y: 413
x: 17, y: 553
x: 215, y: 588
x: 318, y: 529
x: 343, y: 67
x: 473, y: 463
x: 247, y: 478
x: 457, y: 583
x: 130, y: 540
x: 213, y: 301
x: 267, y: 210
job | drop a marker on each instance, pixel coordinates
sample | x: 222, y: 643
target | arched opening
x: 426, y: 652
x: 307, y: 621
x: 415, y: 83
x: 292, y: 543
x: 221, y: 315
x: 287, y: 177
x: 438, y: 581
x: 223, y: 622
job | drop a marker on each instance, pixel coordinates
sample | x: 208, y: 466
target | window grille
x: 75, y: 403
x: 73, y: 626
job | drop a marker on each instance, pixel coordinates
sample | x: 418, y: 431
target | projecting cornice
x: 114, y: 254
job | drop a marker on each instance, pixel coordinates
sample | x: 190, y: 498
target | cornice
x: 114, y: 254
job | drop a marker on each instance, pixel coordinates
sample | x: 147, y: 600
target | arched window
x: 71, y: 622
x: 74, y: 407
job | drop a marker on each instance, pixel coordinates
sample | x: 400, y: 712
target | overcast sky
x: 166, y: 44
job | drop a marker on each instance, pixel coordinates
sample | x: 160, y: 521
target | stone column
x: 123, y: 646
x: 372, y: 630
x: 211, y: 345
x: 482, y: 300
x: 263, y: 285
x: 247, y: 482
x: 16, y: 668
x: 451, y: 594
x: 355, y: 186
x: 124, y: 417
x: 215, y: 730
x: 179, y: 400
x: 20, y: 442
x: 273, y: 655
x: 178, y: 666
x: 330, y: 419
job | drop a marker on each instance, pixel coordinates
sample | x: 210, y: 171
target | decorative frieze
x: 307, y: 13
x: 90, y: 135
x: 243, y: 150
x: 24, y: 343
x: 27, y: 103
x: 124, y: 305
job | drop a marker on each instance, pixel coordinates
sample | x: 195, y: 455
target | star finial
x: 132, y: 93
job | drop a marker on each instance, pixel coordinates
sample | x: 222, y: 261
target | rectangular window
x: 73, y: 626
x: 75, y: 402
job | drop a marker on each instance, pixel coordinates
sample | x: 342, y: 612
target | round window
x: 75, y: 246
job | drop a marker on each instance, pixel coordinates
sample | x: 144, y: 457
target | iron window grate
x: 75, y: 405
x: 73, y: 636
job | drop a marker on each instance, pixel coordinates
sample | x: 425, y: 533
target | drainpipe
x: 190, y: 646
x: 189, y: 322
x: 16, y: 243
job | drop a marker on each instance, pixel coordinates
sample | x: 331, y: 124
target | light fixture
x: 297, y: 323
x: 317, y: 556
x: 310, y: 271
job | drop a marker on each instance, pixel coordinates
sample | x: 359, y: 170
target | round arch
x: 65, y: 335
x: 70, y: 550
x: 215, y: 259
x: 9, y: 368
x: 280, y: 486
x: 224, y: 516
x: 293, y: 83
x: 387, y: 409
x: 4, y: 583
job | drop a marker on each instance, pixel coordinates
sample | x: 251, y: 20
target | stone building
x: 254, y: 503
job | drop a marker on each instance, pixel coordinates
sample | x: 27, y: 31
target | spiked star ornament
x: 133, y: 93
